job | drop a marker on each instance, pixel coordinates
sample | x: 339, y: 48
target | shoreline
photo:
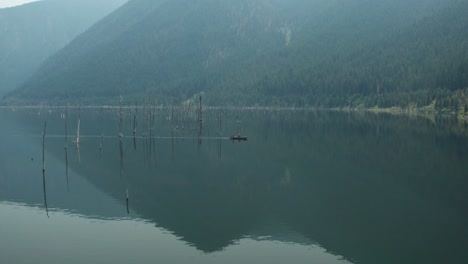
x: 376, y: 110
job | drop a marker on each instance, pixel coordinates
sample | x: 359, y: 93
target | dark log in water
x: 238, y: 138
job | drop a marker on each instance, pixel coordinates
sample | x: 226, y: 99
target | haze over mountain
x: 299, y: 52
x: 32, y: 32
x: 12, y: 3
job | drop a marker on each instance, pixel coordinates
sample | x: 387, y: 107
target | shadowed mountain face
x: 371, y: 188
x: 30, y: 33
x: 263, y: 52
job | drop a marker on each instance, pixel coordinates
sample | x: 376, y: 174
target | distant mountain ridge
x: 302, y: 53
x: 32, y: 32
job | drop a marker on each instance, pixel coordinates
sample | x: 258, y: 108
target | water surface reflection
x: 329, y: 187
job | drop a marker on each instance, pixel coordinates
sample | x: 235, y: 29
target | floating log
x: 238, y: 138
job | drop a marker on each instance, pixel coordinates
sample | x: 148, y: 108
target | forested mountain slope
x: 299, y: 52
x: 32, y: 32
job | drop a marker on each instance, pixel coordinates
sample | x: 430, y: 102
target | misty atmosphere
x: 234, y: 131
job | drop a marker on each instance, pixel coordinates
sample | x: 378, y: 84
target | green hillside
x: 30, y: 33
x: 357, y: 53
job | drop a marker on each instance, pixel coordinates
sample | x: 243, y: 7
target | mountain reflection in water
x: 366, y: 188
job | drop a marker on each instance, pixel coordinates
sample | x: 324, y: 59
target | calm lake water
x: 307, y: 187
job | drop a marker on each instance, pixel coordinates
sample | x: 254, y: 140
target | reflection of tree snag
x: 66, y: 145
x: 172, y: 142
x: 128, y: 211
x: 43, y: 146
x: 200, y: 120
x: 66, y: 127
x: 135, y: 121
x: 78, y: 128
x: 135, y: 127
x: 101, y: 144
x: 43, y: 168
x: 45, y: 194
x: 220, y: 133
x: 121, y: 157
x: 121, y: 118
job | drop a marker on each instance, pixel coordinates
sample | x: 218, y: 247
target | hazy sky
x: 10, y: 3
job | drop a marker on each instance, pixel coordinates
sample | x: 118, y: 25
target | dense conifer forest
x: 330, y: 54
